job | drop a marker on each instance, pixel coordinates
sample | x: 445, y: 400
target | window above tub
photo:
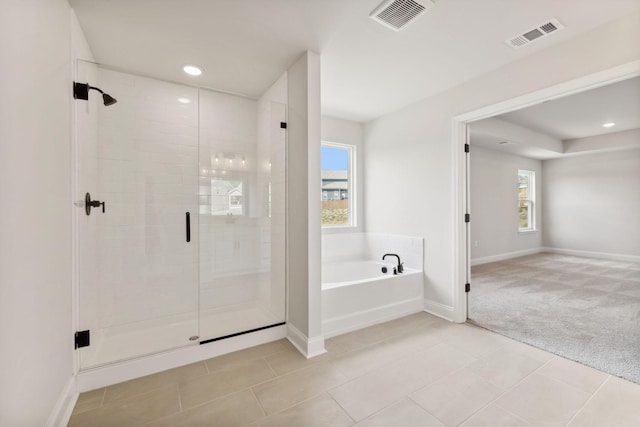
x: 337, y: 186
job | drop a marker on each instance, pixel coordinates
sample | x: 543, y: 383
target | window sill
x: 532, y: 230
x: 338, y: 227
x: 329, y: 229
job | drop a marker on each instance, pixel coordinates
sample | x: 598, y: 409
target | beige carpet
x: 585, y: 309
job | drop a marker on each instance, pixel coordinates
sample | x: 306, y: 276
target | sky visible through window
x: 334, y: 159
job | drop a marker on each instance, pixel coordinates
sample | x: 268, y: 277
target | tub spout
x: 400, y: 267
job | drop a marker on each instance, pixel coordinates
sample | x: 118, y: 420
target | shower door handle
x: 188, y: 223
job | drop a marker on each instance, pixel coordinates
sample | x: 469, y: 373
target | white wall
x: 348, y: 132
x: 36, y: 355
x: 494, y: 210
x: 409, y: 183
x: 591, y: 203
x: 303, y: 205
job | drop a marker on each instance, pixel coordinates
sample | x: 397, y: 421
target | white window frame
x: 351, y: 185
x: 531, y: 201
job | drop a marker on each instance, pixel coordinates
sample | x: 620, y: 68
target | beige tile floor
x: 415, y: 371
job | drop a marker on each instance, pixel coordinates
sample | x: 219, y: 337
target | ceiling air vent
x: 396, y: 14
x: 540, y: 31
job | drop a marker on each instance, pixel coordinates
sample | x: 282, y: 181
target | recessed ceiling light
x: 608, y: 125
x: 184, y: 100
x: 192, y: 70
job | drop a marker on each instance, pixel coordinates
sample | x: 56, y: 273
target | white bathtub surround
x: 347, y: 306
x: 344, y: 273
x: 356, y: 292
x: 372, y: 246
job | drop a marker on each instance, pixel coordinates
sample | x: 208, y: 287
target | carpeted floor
x: 584, y: 309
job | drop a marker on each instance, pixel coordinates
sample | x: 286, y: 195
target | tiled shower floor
x: 414, y: 371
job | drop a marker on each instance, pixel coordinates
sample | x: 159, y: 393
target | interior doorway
x: 467, y: 241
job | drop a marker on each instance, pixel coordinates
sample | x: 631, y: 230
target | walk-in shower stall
x: 183, y: 240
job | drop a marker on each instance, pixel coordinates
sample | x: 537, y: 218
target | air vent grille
x: 396, y: 14
x: 540, y: 31
x: 548, y: 27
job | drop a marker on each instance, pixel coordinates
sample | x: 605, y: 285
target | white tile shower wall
x: 147, y: 174
x: 241, y: 141
x: 230, y: 244
x: 355, y: 246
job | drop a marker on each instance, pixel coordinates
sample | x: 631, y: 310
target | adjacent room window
x: 227, y: 197
x: 337, y: 187
x: 526, y: 200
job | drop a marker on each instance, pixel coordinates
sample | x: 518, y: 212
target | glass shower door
x: 242, y: 214
x: 138, y: 272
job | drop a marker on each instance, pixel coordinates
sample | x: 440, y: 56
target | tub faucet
x: 400, y: 267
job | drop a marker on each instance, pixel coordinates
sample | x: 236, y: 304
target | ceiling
x: 367, y: 70
x: 577, y: 116
x: 582, y: 115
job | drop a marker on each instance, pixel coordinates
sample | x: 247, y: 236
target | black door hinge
x: 467, y: 287
x: 82, y: 339
x: 283, y: 125
x: 467, y: 218
x: 466, y: 148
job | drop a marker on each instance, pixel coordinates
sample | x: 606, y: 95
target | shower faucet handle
x: 88, y: 204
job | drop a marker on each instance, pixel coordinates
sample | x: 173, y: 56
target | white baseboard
x: 92, y: 379
x: 445, y: 312
x: 63, y: 408
x: 506, y: 255
x: 308, y: 347
x: 362, y: 319
x: 591, y: 254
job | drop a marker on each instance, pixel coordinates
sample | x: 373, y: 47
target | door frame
x: 460, y: 123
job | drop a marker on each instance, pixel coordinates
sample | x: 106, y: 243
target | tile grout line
x: 510, y: 413
x: 406, y: 396
x: 264, y: 413
x: 508, y: 390
x: 270, y: 367
x: 395, y: 402
x: 300, y: 403
x: 410, y: 396
x: 250, y: 387
x: 179, y: 396
x: 549, y: 376
x: 325, y: 391
x: 340, y: 406
x: 588, y: 400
